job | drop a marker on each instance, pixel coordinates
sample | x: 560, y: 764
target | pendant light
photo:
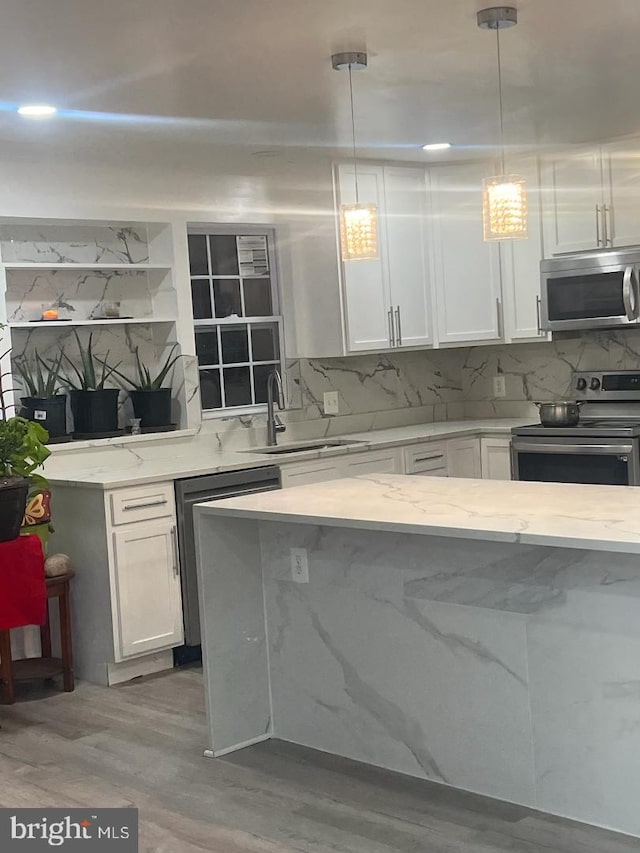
x: 359, y: 221
x: 504, y: 198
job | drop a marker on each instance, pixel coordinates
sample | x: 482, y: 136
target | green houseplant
x: 151, y: 402
x: 22, y: 452
x: 40, y: 379
x: 94, y: 407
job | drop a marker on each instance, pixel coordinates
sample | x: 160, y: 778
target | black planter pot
x: 13, y: 502
x: 50, y: 412
x: 152, y: 407
x: 95, y: 411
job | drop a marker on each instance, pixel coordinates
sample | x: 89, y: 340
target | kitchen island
x: 480, y: 634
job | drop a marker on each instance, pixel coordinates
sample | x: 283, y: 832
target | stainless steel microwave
x: 592, y: 290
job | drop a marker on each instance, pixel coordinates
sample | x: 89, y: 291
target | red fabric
x: 23, y: 589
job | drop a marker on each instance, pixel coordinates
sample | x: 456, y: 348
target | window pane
x: 207, y: 346
x: 226, y: 295
x: 237, y: 386
x: 210, y: 389
x: 224, y: 255
x: 201, y: 295
x: 260, y: 375
x: 198, y: 254
x: 264, y: 340
x: 257, y: 297
x: 235, y: 344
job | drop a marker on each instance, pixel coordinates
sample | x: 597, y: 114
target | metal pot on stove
x: 562, y: 413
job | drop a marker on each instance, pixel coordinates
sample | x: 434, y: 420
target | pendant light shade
x: 504, y: 197
x: 359, y: 221
x: 359, y: 232
x: 505, y: 208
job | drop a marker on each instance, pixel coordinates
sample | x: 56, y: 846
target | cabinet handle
x: 427, y: 458
x: 399, y: 326
x: 499, y: 315
x: 538, y: 314
x: 598, y: 240
x: 144, y: 505
x: 605, y: 218
x: 392, y: 339
x: 174, y: 546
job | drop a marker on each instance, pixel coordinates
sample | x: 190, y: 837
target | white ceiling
x: 257, y: 73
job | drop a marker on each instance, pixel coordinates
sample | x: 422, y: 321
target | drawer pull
x: 144, y: 505
x: 427, y: 458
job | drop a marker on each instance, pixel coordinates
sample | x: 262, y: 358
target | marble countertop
x: 567, y: 515
x: 169, y: 465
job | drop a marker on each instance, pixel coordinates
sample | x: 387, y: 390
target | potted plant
x: 41, y: 381
x: 94, y: 407
x: 151, y: 402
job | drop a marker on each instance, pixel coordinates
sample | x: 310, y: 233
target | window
x: 236, y: 317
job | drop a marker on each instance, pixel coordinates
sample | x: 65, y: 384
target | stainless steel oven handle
x: 630, y: 293
x: 573, y: 449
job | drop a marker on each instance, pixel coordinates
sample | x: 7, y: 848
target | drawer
x: 141, y: 504
x: 375, y: 462
x: 429, y: 458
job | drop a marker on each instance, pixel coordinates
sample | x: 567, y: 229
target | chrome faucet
x: 274, y: 424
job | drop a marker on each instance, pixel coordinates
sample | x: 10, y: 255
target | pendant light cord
x: 500, y: 100
x: 353, y: 135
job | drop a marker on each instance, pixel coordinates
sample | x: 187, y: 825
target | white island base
x: 448, y: 631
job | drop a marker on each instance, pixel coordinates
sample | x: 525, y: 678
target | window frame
x: 275, y: 318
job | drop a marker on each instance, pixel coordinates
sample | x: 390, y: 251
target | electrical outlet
x: 499, y: 386
x: 331, y: 403
x: 299, y: 565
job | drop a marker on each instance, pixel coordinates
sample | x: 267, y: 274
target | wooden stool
x: 46, y: 666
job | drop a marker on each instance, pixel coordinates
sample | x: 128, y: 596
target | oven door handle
x: 630, y: 293
x: 573, y: 449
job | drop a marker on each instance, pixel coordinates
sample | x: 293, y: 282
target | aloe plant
x: 40, y: 378
x: 89, y: 375
x: 145, y: 381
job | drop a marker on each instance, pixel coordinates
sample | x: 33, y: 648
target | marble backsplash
x: 77, y: 244
x: 540, y: 371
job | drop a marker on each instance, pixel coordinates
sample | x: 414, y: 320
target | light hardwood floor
x: 141, y: 744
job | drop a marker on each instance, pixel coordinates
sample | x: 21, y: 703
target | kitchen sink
x: 302, y: 446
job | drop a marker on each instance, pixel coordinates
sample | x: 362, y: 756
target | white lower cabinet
x: 315, y: 471
x: 463, y: 458
x: 147, y: 586
x: 373, y: 462
x: 496, y: 458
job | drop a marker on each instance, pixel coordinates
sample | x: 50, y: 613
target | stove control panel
x: 614, y: 385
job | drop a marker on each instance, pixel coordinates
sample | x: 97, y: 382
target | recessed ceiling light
x: 436, y: 146
x: 37, y: 110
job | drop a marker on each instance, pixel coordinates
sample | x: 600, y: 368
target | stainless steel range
x: 603, y: 448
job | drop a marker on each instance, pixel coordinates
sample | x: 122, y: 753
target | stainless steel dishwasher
x: 211, y: 487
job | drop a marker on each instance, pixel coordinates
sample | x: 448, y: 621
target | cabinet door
x: 463, y: 458
x: 573, y: 200
x: 466, y: 269
x: 373, y: 462
x: 147, y: 586
x: 404, y: 222
x: 364, y: 283
x: 520, y: 263
x: 621, y: 167
x: 496, y: 458
x: 303, y: 473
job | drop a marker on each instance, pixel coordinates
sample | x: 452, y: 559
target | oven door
x: 601, y: 297
x: 576, y: 460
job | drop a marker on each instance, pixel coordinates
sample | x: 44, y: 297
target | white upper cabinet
x: 520, y: 264
x: 573, y: 200
x: 621, y: 171
x: 386, y: 302
x: 365, y: 284
x: 404, y: 224
x: 590, y: 198
x: 466, y: 269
